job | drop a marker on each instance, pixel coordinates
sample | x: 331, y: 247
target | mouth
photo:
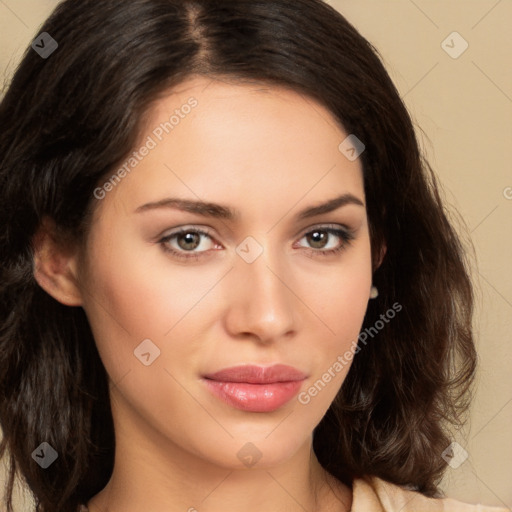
x: 255, y: 388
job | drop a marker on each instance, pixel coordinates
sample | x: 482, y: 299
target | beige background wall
x: 464, y: 107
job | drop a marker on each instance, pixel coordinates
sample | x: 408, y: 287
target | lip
x: 253, y: 374
x: 255, y: 388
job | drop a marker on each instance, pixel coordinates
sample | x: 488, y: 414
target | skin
x: 269, y: 153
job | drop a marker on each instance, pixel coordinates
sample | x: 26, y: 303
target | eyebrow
x: 219, y: 211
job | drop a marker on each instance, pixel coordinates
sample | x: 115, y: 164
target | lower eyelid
x: 172, y: 236
x: 345, y: 235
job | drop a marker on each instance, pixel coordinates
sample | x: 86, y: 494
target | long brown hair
x: 69, y: 118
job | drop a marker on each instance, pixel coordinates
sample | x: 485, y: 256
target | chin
x: 260, y: 450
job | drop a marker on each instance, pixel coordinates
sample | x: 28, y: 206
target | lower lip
x: 254, y: 397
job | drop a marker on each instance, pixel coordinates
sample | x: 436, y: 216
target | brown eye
x: 188, y: 241
x: 184, y: 243
x: 318, y: 238
x: 327, y: 240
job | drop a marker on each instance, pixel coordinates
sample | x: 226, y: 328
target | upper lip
x: 253, y: 374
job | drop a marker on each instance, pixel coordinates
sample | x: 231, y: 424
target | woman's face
x: 256, y: 277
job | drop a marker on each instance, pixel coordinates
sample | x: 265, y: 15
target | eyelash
x: 346, y: 236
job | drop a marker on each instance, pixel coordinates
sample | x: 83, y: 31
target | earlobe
x: 55, y: 265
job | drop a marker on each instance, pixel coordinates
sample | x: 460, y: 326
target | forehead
x: 248, y: 143
x: 233, y: 112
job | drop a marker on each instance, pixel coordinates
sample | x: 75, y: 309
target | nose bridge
x: 263, y: 303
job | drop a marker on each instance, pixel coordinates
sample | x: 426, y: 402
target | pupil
x: 190, y: 239
x: 318, y: 238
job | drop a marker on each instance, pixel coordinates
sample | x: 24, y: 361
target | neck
x: 153, y: 473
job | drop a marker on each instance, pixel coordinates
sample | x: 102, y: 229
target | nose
x: 262, y: 303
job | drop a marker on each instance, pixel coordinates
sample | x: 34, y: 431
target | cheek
x: 339, y: 295
x: 119, y: 300
x: 339, y: 299
x: 135, y: 295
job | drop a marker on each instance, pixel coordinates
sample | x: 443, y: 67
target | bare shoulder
x: 376, y: 495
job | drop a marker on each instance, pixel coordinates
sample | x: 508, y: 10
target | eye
x: 187, y: 240
x: 190, y: 242
x: 321, y: 240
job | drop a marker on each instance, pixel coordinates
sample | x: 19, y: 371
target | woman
x: 221, y: 251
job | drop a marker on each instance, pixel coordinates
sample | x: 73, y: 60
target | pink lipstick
x: 256, y: 388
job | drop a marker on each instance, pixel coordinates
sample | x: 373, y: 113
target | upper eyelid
x: 208, y: 232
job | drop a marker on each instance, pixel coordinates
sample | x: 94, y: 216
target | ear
x: 55, y: 265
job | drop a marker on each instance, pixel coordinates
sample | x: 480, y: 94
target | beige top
x: 372, y: 494
x: 375, y: 495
